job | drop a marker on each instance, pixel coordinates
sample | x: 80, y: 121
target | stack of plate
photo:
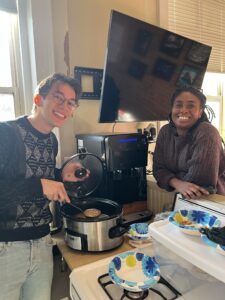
x: 139, y: 234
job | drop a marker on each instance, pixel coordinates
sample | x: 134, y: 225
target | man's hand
x: 54, y: 190
x: 75, y: 172
x: 187, y: 189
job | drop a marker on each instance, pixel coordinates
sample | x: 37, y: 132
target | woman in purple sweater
x: 189, y: 156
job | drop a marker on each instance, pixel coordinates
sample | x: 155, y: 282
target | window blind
x: 203, y: 21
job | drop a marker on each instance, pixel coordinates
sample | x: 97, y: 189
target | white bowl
x: 134, y: 271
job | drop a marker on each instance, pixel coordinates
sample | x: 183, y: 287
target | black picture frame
x: 199, y: 53
x: 172, y: 44
x: 188, y: 76
x: 94, y: 77
x: 142, y: 42
x: 137, y: 69
x: 164, y: 69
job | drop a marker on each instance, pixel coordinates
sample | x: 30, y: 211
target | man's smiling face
x: 57, y: 106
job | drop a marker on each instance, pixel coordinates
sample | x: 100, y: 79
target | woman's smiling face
x: 186, y: 111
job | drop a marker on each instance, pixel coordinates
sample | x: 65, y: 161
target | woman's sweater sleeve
x: 204, y: 162
x: 160, y: 171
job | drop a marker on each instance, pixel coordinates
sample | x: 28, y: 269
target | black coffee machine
x: 125, y: 159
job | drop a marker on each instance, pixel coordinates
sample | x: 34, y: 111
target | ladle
x: 89, y: 212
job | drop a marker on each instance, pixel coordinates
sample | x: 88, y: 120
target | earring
x: 37, y: 99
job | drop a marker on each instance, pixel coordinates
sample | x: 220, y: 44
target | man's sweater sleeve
x: 13, y: 184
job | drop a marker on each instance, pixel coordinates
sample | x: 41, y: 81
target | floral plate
x: 219, y: 248
x: 139, y: 231
x: 134, y: 271
x: 190, y: 221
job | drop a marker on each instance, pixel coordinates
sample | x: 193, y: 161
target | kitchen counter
x: 75, y: 258
x: 216, y: 198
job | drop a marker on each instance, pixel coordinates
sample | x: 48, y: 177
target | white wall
x: 88, y: 23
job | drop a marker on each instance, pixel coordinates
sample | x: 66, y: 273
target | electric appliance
x: 190, y: 269
x: 91, y: 223
x: 143, y: 67
x: 124, y: 157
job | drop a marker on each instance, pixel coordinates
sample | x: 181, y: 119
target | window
x: 204, y: 21
x: 214, y: 87
x: 9, y: 62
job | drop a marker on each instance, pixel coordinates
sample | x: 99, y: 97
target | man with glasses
x: 28, y: 150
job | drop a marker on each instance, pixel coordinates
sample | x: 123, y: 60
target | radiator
x: 158, y: 199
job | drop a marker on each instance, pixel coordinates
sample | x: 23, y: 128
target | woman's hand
x: 54, y: 190
x: 75, y: 172
x: 187, y: 189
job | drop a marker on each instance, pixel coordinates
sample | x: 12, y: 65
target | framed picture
x: 188, y: 76
x: 199, y: 53
x: 164, y: 69
x: 142, y: 42
x: 172, y: 44
x: 90, y: 80
x: 137, y: 69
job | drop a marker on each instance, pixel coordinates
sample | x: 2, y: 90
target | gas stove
x: 92, y: 282
x: 162, y: 290
x: 187, y: 266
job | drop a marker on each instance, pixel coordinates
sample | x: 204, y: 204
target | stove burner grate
x: 135, y: 295
x: 105, y: 282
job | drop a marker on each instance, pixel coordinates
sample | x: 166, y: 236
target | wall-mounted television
x: 144, y: 65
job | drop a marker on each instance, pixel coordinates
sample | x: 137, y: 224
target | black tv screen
x: 144, y: 65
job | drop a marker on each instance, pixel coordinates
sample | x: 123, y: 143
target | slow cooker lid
x: 85, y: 186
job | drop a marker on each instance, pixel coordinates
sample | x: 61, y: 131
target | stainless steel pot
x: 100, y: 233
x: 57, y: 222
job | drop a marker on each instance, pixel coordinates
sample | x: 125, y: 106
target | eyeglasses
x: 60, y: 99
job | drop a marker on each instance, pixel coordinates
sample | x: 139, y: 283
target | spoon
x: 89, y: 212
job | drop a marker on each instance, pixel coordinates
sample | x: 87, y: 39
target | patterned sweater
x: 198, y: 157
x: 26, y: 156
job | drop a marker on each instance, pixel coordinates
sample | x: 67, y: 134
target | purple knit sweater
x: 198, y: 157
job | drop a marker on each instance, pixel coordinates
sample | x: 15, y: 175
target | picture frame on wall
x: 137, y: 69
x: 91, y: 82
x: 142, y: 42
x: 164, y: 69
x: 172, y: 44
x: 188, y: 76
x: 199, y: 53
